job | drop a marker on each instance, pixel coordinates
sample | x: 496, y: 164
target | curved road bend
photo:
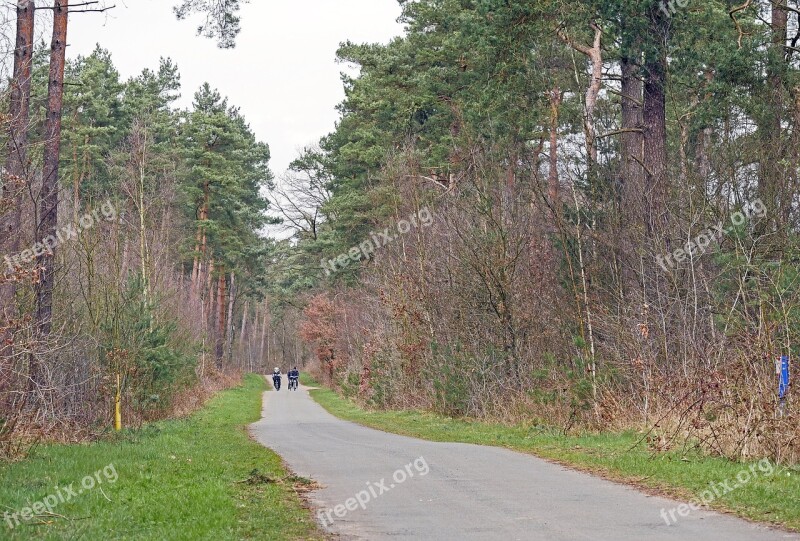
x: 384, y: 486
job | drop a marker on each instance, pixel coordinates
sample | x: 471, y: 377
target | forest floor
x: 769, y: 494
x: 197, y: 478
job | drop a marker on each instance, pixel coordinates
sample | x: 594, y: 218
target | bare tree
x: 302, y: 195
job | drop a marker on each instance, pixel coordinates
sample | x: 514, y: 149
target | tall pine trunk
x: 48, y: 205
x: 17, y: 159
x: 243, y: 330
x: 772, y: 185
x: 552, y: 176
x: 654, y: 119
x: 631, y: 141
x: 264, y: 325
x: 16, y: 164
x: 221, y: 306
x: 200, y: 241
x: 17, y: 145
x: 229, y: 324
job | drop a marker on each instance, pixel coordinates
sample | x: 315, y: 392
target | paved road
x: 384, y: 486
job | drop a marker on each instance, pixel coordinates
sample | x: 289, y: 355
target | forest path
x: 377, y: 485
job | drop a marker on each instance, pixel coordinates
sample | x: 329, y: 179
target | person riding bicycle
x: 294, y: 376
x: 276, y: 378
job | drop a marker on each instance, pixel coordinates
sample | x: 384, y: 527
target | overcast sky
x: 283, y: 72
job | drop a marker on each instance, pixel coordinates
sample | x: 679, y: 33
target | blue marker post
x: 783, y: 385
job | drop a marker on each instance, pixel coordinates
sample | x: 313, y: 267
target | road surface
x: 384, y: 486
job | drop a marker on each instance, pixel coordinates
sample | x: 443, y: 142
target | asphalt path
x: 377, y: 485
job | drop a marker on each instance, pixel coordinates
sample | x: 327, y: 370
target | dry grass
x: 25, y: 432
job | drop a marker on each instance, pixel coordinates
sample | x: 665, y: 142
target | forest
x: 576, y: 214
x: 614, y: 191
x: 132, y: 241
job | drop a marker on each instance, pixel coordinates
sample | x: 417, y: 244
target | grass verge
x: 197, y: 478
x: 773, y: 498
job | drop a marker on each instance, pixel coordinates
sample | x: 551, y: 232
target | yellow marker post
x: 117, y: 403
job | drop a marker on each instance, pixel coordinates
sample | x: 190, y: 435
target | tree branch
x: 617, y: 132
x: 732, y: 13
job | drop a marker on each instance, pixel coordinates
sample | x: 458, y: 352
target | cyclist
x: 276, y: 378
x: 294, y: 376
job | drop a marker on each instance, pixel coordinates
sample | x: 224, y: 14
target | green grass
x: 768, y: 498
x: 194, y: 479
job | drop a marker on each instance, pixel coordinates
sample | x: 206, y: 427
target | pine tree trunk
x: 243, y: 331
x: 48, y: 206
x: 595, y: 54
x: 17, y: 159
x: 552, y: 177
x: 795, y: 143
x: 144, y: 255
x: 229, y: 324
x: 200, y: 242
x: 264, y: 323
x: 632, y: 140
x: 702, y: 163
x: 772, y: 181
x: 207, y: 301
x: 220, y: 331
x: 654, y: 117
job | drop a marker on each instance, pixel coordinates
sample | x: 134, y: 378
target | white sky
x: 282, y: 73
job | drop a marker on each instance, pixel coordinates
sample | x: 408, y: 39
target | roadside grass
x: 771, y: 498
x: 197, y: 478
